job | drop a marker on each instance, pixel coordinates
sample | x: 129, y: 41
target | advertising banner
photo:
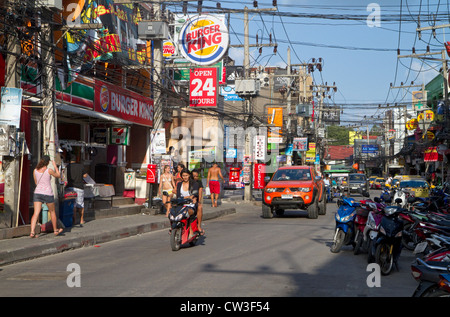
x: 203, y: 87
x: 11, y: 106
x: 123, y: 103
x: 300, y: 144
x: 151, y: 173
x: 259, y: 174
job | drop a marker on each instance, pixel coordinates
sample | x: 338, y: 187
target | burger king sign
x: 203, y: 39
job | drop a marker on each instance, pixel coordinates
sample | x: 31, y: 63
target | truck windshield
x: 292, y: 175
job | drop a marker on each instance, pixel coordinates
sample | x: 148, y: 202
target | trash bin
x: 66, y: 208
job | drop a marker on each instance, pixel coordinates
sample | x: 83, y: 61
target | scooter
x: 182, y: 224
x: 372, y: 228
x: 428, y: 274
x: 362, y: 213
x: 388, y: 245
x: 344, y: 217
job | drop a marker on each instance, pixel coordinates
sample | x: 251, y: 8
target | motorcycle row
x: 382, y: 227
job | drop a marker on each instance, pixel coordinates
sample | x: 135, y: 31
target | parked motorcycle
x: 388, y: 245
x: 182, y: 224
x: 362, y: 214
x: 372, y: 228
x: 345, y: 216
x: 427, y: 273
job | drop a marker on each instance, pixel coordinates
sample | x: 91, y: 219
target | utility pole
x: 247, y: 102
x: 11, y: 163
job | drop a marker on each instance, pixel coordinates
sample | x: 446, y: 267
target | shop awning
x: 91, y: 114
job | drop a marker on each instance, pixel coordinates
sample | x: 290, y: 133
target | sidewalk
x: 95, y: 232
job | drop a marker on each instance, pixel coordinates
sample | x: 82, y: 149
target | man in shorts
x: 75, y: 175
x: 213, y: 182
x: 196, y: 177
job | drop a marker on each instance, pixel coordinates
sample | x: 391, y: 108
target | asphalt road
x: 242, y: 255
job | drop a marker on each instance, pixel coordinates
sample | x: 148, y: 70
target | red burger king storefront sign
x: 204, y: 39
x: 124, y: 104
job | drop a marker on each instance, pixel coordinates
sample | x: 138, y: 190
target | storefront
x: 108, y: 133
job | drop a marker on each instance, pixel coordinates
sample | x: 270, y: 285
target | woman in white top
x: 166, y: 188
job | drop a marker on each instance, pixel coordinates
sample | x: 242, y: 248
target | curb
x: 52, y: 245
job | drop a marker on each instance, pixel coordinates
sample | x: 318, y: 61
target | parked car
x: 417, y: 186
x: 371, y: 180
x: 358, y: 183
x: 294, y: 187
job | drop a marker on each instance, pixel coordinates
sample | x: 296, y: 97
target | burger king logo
x: 168, y: 49
x: 104, y: 99
x: 204, y: 39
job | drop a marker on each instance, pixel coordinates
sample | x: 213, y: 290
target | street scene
x: 259, y: 149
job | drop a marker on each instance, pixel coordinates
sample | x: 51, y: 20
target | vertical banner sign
x: 151, y: 173
x: 259, y: 176
x: 260, y: 147
x: 11, y: 106
x: 203, y: 87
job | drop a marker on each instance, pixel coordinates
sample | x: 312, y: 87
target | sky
x: 359, y: 55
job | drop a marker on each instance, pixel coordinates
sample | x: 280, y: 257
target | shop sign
x: 431, y: 155
x: 203, y: 87
x: 123, y: 103
x: 119, y: 135
x: 203, y: 39
x: 168, y: 49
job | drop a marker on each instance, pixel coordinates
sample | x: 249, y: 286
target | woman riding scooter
x: 187, y: 188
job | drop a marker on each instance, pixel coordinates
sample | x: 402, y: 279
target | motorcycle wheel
x: 175, y: 239
x: 358, y: 243
x: 338, y: 242
x: 384, y: 259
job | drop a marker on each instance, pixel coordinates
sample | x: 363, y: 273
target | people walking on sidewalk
x: 43, y: 193
x: 75, y: 182
x: 166, y: 188
x: 212, y: 180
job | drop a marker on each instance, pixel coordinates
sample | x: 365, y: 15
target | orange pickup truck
x: 294, y: 187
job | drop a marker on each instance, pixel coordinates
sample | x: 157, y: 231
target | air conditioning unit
x: 52, y: 4
x: 153, y: 30
x: 248, y: 87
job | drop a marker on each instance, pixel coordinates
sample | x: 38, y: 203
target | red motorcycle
x: 184, y: 227
x: 362, y: 213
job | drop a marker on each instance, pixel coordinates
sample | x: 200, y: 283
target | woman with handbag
x: 43, y: 193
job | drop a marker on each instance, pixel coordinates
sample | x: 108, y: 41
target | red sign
x: 151, y: 173
x: 235, y: 172
x: 259, y: 173
x: 431, y: 155
x: 123, y: 103
x: 203, y: 87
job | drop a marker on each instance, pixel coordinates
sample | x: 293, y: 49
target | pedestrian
x: 43, y: 193
x: 213, y: 182
x: 178, y: 178
x: 75, y: 182
x: 166, y: 188
x: 196, y: 176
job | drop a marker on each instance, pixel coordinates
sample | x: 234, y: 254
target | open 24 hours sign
x: 203, y: 87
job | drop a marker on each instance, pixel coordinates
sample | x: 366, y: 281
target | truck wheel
x: 323, y: 204
x: 267, y: 212
x: 313, y: 210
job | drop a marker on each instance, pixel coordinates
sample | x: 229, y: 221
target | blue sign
x: 369, y: 148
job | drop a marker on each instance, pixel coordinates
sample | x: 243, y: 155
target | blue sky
x: 361, y: 60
